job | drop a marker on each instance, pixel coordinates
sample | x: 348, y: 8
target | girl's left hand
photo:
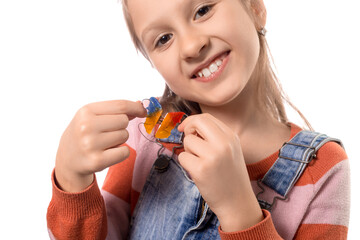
x: 213, y: 157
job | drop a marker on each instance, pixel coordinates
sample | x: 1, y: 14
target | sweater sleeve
x: 95, y: 214
x: 76, y: 215
x: 327, y: 215
x: 263, y: 230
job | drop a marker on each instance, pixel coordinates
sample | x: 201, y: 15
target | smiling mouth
x: 212, y: 68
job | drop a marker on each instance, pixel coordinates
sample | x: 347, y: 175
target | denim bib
x: 170, y: 206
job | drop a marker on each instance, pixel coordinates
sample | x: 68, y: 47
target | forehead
x: 146, y: 12
x: 154, y: 7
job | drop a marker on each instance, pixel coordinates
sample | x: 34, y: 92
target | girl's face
x: 206, y: 50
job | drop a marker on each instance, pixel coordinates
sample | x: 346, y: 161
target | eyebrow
x: 149, y: 28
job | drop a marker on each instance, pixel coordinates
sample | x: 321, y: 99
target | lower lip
x: 214, y: 75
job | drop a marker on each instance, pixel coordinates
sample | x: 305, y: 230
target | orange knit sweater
x: 317, y: 207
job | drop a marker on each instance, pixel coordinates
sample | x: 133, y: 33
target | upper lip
x: 206, y: 63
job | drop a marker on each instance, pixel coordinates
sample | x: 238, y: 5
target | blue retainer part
x: 154, y: 106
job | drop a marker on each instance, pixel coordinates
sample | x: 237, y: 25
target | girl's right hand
x: 92, y: 142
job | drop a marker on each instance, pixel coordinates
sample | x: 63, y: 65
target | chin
x: 217, y: 100
x: 221, y: 97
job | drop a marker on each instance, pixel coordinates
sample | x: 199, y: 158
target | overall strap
x: 291, y: 163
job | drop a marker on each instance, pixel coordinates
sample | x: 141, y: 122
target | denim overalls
x: 171, y: 207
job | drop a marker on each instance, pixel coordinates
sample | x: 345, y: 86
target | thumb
x: 136, y: 109
x: 188, y: 161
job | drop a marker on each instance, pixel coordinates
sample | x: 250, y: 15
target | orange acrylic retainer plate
x: 168, y: 124
x: 154, y: 111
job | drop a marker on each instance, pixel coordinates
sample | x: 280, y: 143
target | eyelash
x: 208, y: 7
x: 158, y: 42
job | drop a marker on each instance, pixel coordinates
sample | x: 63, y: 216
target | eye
x: 202, y: 11
x: 163, y: 40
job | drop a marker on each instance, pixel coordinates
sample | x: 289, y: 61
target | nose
x: 193, y: 44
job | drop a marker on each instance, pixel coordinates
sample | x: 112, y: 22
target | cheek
x: 237, y: 28
x: 246, y: 46
x: 167, y: 65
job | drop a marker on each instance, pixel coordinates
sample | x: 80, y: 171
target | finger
x: 201, y: 124
x: 130, y: 108
x: 221, y: 125
x: 108, y: 123
x: 195, y: 145
x: 188, y: 161
x: 115, y: 155
x: 108, y: 140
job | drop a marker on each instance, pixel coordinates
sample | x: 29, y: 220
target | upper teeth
x: 211, y: 69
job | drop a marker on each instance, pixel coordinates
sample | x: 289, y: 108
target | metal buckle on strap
x: 313, y: 155
x: 299, y: 145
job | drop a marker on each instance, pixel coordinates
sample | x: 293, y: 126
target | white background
x: 56, y: 56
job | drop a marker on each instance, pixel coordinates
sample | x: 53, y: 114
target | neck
x: 242, y: 114
x: 260, y: 135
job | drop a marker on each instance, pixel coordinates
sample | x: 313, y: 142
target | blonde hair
x: 270, y: 95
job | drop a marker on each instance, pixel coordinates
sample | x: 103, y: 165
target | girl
x: 213, y: 57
